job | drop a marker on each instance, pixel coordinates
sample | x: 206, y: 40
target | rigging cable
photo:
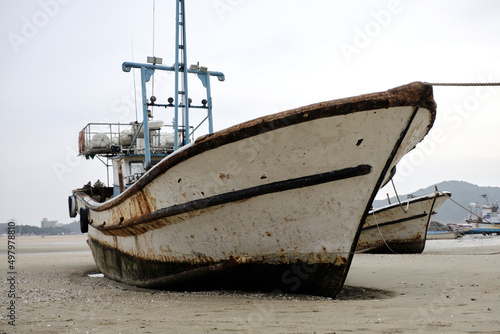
x: 451, y: 199
x: 397, y: 196
x: 380, y: 232
x: 474, y: 84
x: 470, y: 84
x: 466, y: 84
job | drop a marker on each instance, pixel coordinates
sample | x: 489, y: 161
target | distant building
x: 49, y: 223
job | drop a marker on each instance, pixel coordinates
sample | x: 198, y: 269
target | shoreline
x: 453, y: 286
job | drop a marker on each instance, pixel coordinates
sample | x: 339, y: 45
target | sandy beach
x: 453, y: 287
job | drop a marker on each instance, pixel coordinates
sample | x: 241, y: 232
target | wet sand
x: 453, y: 287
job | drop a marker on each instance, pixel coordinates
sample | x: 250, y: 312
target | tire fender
x: 72, y: 206
x: 84, y: 219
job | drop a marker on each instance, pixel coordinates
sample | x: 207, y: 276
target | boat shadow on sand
x: 362, y: 293
x: 347, y: 293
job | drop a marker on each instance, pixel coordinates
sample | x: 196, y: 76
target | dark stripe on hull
x: 409, y: 202
x: 402, y: 220
x: 322, y: 279
x: 239, y: 195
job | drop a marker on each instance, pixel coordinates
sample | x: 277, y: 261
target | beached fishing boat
x: 273, y: 203
x: 400, y: 227
x: 255, y: 199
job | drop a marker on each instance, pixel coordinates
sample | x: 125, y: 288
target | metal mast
x: 182, y: 100
x: 181, y: 93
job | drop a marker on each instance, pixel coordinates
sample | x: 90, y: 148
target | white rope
x: 380, y: 232
x: 397, y: 196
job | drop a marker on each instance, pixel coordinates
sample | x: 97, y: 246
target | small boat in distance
x: 439, y: 235
x: 277, y: 202
x: 400, y: 227
x: 486, y: 222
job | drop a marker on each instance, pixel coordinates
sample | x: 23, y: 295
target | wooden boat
x: 273, y: 203
x: 400, y: 228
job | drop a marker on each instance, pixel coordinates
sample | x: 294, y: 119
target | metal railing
x: 111, y: 139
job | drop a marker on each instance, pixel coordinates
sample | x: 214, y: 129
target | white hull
x: 400, y: 228
x: 261, y: 194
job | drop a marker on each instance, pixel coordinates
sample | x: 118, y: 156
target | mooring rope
x: 397, y: 196
x: 466, y: 84
x: 376, y: 223
x: 380, y: 232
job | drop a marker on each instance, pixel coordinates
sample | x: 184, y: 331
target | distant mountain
x: 461, y: 192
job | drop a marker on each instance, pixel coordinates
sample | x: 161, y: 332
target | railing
x: 111, y: 139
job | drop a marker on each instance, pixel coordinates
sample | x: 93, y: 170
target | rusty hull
x: 285, y: 210
x: 233, y: 274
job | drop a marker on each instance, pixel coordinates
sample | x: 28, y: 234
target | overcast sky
x: 61, y: 69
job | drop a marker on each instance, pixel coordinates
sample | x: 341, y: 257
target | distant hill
x: 461, y: 192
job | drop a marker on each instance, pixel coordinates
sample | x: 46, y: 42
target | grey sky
x: 61, y: 69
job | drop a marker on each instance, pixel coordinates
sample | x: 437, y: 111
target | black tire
x: 84, y: 220
x: 72, y: 206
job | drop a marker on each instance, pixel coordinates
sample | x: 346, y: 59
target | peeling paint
x: 224, y: 176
